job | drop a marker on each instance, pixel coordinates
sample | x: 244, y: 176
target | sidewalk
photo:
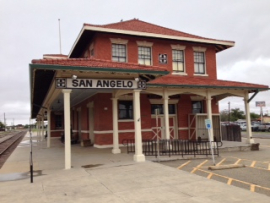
x: 106, y: 178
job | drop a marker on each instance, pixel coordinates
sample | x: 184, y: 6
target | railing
x: 174, y: 147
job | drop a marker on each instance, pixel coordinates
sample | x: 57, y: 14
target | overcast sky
x: 29, y: 29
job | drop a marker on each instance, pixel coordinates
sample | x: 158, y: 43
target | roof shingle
x: 88, y: 62
x: 141, y: 26
x: 197, y: 81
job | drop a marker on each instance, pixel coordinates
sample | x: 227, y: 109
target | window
x: 125, y: 109
x: 119, y: 52
x: 178, y: 60
x: 197, y: 107
x: 58, y: 121
x: 199, y: 63
x: 144, y: 55
x: 160, y: 107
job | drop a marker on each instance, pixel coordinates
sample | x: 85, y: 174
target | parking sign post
x: 208, y: 126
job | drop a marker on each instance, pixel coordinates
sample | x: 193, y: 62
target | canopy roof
x: 201, y: 82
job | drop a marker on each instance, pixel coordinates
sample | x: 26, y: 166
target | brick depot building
x: 107, y: 88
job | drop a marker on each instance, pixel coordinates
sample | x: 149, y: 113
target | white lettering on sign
x: 99, y: 83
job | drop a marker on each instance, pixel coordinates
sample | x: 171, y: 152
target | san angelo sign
x: 68, y: 83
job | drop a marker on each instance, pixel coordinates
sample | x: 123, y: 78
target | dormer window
x: 119, y: 53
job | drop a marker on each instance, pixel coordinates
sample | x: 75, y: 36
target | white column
x: 42, y: 128
x: 67, y: 128
x: 38, y: 130
x: 115, y: 149
x: 209, y: 114
x: 49, y: 129
x: 139, y: 156
x: 249, y: 140
x: 166, y: 114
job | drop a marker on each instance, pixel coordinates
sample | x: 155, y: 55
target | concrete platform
x: 100, y: 176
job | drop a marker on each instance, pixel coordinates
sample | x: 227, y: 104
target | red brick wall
x: 103, y: 51
x: 103, y: 118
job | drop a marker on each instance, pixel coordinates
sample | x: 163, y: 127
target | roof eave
x: 208, y: 87
x: 96, y: 69
x: 145, y: 34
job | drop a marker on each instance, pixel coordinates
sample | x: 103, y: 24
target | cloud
x: 29, y: 29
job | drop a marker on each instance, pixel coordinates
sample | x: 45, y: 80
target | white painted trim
x: 57, y: 130
x: 106, y: 146
x: 119, y: 41
x: 160, y: 101
x: 161, y: 115
x: 178, y: 47
x: 197, y: 98
x: 121, y: 131
x: 179, y: 73
x: 203, y: 75
x: 183, y: 128
x: 125, y: 97
x: 199, y: 49
x: 126, y: 120
x: 145, y: 44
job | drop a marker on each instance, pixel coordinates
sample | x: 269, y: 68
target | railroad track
x: 8, y: 144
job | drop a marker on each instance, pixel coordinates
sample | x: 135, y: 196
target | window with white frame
x: 144, y: 55
x: 125, y: 110
x: 199, y: 62
x: 119, y: 53
x: 178, y: 60
x: 171, y: 108
x: 197, y: 107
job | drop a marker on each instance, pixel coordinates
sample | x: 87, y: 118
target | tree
x: 2, y: 125
x: 254, y: 116
x: 224, y: 115
x: 236, y: 114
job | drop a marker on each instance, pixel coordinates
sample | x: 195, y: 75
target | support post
x: 166, y: 114
x: 42, y: 128
x: 49, y: 128
x: 209, y: 114
x: 139, y: 156
x: 66, y: 93
x: 249, y: 140
x: 115, y: 149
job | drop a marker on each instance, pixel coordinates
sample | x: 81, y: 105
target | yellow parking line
x: 220, y: 162
x: 253, y: 164
x: 252, y: 188
x: 184, y: 164
x: 229, y: 182
x: 210, y: 176
x: 197, y: 167
x: 237, y: 162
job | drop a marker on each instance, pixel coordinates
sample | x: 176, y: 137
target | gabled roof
x: 102, y: 65
x: 140, y: 28
x: 200, y: 82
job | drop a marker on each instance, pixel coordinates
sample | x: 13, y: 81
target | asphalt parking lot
x: 252, y: 174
